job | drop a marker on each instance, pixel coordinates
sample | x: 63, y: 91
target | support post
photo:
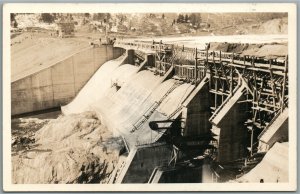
x: 151, y: 60
x: 216, y: 95
x: 160, y: 58
x: 251, y: 148
x: 196, y: 70
x: 130, y: 55
x: 231, y: 80
x: 284, y: 82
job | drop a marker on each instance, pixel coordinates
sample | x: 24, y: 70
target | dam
x: 183, y: 114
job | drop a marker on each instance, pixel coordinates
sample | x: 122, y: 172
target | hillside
x: 161, y: 24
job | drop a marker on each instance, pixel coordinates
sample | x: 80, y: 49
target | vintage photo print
x: 149, y: 97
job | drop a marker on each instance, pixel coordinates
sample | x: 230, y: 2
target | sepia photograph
x: 149, y: 97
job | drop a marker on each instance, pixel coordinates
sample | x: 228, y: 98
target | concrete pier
x: 228, y: 125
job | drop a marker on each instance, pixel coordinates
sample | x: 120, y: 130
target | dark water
x: 15, y: 122
x: 47, y: 115
x: 24, y: 127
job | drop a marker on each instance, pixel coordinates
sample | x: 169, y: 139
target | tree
x: 13, y: 20
x: 101, y: 16
x: 15, y: 24
x: 195, y: 19
x: 12, y: 17
x: 122, y: 17
x: 47, y: 17
x: 87, y: 15
x: 98, y: 16
x: 186, y: 18
x: 54, y: 16
x: 180, y: 18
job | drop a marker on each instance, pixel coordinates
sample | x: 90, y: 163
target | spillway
x: 124, y: 98
x: 138, y: 102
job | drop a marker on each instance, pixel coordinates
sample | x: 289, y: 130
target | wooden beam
x: 196, y: 69
x: 284, y: 83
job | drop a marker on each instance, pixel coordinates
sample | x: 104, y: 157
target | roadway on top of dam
x: 33, y: 52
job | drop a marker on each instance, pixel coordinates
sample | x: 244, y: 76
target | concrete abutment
x: 58, y: 84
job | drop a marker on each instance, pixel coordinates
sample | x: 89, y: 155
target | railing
x: 187, y: 72
x: 140, y: 54
x: 145, y: 117
x: 142, y: 45
x: 151, y: 109
x: 190, y: 54
x: 175, y: 112
x: 126, y: 145
x: 149, y: 143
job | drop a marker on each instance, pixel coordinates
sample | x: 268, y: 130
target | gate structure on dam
x: 248, y: 95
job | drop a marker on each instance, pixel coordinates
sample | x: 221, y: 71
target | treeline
x: 105, y: 17
x: 51, y: 17
x: 193, y: 18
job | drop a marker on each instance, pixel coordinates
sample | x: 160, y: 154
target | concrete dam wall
x: 171, y: 116
x: 58, y: 84
x: 127, y: 100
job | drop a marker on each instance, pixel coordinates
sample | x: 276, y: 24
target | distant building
x: 65, y: 29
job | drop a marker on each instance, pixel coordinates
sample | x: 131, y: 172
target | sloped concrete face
x: 231, y: 131
x: 233, y: 136
x: 58, y: 84
x: 198, y: 113
x: 277, y: 131
x: 141, y: 97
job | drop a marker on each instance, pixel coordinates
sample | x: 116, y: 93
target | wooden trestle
x: 266, y: 79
